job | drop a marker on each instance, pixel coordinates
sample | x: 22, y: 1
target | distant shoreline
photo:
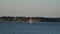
x: 29, y: 19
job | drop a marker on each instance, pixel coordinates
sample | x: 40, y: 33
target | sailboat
x: 30, y: 21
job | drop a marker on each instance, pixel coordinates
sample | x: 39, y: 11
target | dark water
x: 26, y: 28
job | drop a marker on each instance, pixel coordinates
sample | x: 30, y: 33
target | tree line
x: 41, y: 19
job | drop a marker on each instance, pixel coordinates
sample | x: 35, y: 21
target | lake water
x: 27, y: 28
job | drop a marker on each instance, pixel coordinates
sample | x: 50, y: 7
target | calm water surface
x: 27, y: 28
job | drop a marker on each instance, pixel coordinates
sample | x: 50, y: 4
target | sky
x: 38, y: 8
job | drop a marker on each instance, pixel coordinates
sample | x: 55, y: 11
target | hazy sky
x: 48, y: 8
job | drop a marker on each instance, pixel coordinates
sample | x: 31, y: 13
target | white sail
x: 30, y: 21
